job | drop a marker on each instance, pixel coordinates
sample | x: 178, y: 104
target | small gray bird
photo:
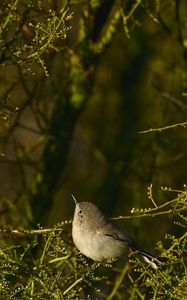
x: 99, y: 238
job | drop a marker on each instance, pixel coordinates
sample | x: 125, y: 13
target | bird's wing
x: 112, y: 231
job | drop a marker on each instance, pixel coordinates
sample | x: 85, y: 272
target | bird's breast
x: 96, y: 246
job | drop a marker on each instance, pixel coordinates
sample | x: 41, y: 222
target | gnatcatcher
x: 98, y: 238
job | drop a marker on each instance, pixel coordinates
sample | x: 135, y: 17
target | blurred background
x: 71, y: 115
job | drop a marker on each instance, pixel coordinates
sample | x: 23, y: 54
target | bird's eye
x: 80, y: 212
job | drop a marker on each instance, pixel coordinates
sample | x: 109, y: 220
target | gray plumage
x: 99, y: 238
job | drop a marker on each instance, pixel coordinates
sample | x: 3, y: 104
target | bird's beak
x: 74, y: 199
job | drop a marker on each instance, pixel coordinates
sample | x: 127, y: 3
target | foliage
x: 60, y: 273
x: 29, y: 30
x: 80, y: 80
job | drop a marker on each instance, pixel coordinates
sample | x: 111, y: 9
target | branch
x: 164, y: 128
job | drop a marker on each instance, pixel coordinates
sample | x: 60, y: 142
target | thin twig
x: 164, y: 128
x: 35, y: 231
x: 118, y: 282
x: 72, y: 285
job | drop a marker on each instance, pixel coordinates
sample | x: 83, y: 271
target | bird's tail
x: 150, y: 259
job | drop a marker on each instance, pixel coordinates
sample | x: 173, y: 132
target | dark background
x: 50, y: 150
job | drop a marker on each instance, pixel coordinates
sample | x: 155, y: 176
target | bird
x: 99, y: 238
